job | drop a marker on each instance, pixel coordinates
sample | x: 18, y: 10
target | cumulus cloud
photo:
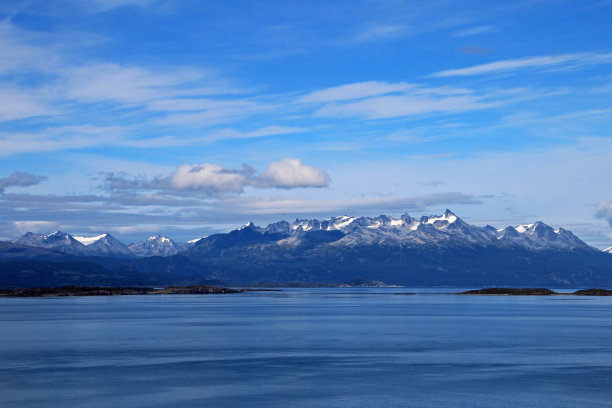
x: 290, y: 173
x: 212, y: 178
x: 208, y: 177
x: 604, y: 210
x: 20, y: 179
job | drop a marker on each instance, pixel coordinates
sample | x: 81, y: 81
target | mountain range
x: 104, y: 245
x: 431, y: 250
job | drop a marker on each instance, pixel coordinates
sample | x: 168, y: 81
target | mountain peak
x: 160, y: 238
x: 157, y: 245
x: 248, y: 225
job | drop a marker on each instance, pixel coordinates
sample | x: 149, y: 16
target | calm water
x: 306, y: 348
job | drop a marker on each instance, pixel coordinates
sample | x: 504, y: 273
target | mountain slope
x: 58, y: 241
x: 157, y: 245
x: 104, y: 245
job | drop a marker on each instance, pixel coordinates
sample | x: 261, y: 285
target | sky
x: 186, y: 118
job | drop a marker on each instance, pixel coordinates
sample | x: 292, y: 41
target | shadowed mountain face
x: 101, y: 245
x: 430, y: 251
x: 58, y: 241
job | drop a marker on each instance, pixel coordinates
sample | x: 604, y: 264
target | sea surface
x: 378, y: 347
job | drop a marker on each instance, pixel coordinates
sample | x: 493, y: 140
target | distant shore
x: 77, y: 290
x: 535, y: 292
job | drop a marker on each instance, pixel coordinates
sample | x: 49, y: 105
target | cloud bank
x: 20, y: 179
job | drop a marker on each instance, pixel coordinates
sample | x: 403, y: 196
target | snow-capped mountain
x: 104, y: 245
x: 608, y: 250
x: 58, y: 241
x: 158, y: 245
x: 540, y: 236
x: 445, y: 229
x: 429, y: 251
x: 100, y: 245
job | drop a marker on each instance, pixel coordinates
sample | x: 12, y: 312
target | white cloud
x: 18, y: 104
x: 86, y: 136
x: 19, y: 53
x: 300, y: 207
x: 65, y: 137
x: 291, y: 173
x: 355, y: 91
x: 21, y: 227
x: 225, y: 134
x: 563, y: 60
x: 212, y: 178
x: 432, y: 156
x: 106, y: 5
x: 380, y: 100
x: 375, y: 32
x: 125, y: 84
x: 207, y: 111
x: 604, y: 210
x: 474, y: 31
x: 390, y: 106
x: 134, y: 229
x: 208, y: 177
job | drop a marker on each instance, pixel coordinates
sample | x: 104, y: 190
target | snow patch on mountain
x: 89, y: 240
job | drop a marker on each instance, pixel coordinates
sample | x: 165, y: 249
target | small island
x: 535, y: 292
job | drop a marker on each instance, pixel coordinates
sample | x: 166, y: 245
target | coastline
x: 78, y: 290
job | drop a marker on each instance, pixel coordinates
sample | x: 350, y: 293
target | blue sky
x: 186, y: 118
